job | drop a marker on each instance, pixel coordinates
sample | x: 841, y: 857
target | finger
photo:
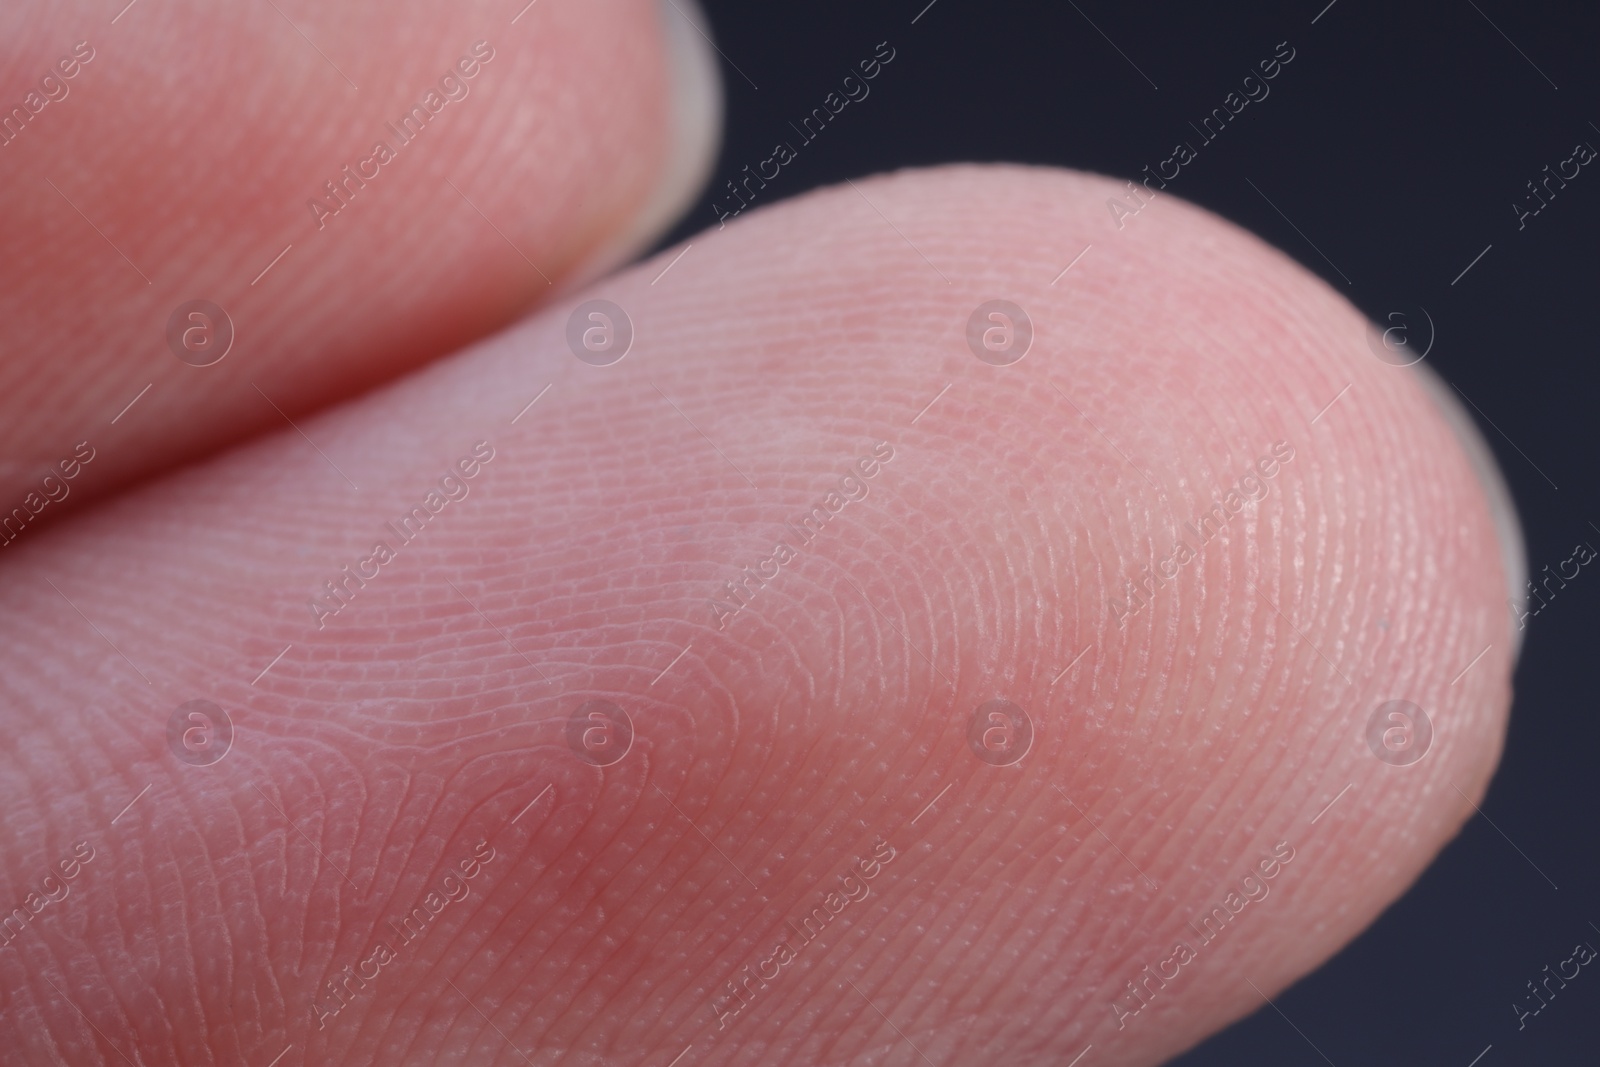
x: 582, y: 765
x: 349, y: 191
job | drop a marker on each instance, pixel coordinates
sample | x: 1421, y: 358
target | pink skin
x: 194, y: 143
x: 830, y: 712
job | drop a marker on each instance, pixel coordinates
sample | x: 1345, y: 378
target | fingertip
x: 1502, y: 507
x: 695, y: 133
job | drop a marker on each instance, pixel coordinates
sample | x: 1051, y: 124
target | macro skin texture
x: 181, y: 159
x: 809, y: 749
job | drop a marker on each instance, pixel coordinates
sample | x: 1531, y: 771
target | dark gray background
x: 1397, y: 140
